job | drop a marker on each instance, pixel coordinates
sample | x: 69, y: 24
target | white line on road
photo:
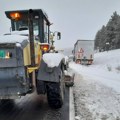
x: 71, y: 105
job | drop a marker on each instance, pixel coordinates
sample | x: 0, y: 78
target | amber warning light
x: 44, y: 47
x: 15, y: 15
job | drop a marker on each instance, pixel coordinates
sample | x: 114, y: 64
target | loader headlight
x: 8, y: 55
x: 44, y: 47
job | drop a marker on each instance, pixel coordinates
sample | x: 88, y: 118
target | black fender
x: 46, y: 74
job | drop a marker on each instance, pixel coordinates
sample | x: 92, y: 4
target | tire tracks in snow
x: 94, y: 101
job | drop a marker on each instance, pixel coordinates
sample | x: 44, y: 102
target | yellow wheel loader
x: 22, y: 67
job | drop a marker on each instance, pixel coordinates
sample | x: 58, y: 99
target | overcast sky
x: 75, y: 19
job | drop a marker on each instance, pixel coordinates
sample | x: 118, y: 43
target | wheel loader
x: 22, y: 67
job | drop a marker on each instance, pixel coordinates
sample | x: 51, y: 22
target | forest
x: 108, y: 37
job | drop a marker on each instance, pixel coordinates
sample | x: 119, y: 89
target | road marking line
x: 71, y: 105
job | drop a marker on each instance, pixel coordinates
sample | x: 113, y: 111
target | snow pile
x: 97, y: 87
x: 13, y: 38
x: 53, y: 59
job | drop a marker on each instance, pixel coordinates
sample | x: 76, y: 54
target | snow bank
x: 104, y: 69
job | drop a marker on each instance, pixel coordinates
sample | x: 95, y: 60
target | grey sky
x: 75, y: 19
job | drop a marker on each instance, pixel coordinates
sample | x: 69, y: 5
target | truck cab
x: 20, y: 20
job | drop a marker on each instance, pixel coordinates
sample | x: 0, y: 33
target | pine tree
x: 109, y: 34
x: 100, y: 38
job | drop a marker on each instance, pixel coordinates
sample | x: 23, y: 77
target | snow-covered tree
x: 109, y: 34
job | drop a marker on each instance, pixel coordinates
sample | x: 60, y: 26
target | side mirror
x: 58, y: 35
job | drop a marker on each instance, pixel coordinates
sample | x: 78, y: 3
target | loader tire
x: 55, y: 95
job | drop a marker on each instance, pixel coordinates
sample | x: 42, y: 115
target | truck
x: 26, y: 64
x: 84, y: 52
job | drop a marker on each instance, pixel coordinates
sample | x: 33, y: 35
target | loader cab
x: 40, y: 23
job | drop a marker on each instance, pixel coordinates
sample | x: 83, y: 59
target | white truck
x: 84, y: 52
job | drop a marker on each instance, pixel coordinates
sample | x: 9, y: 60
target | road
x: 33, y: 107
x: 94, y: 100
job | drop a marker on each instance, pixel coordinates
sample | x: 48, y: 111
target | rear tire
x: 55, y: 94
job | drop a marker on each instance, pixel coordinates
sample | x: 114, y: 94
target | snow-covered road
x: 95, y: 101
x: 97, y: 87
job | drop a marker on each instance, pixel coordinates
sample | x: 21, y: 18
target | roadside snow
x: 95, y: 101
x: 105, y: 69
x: 97, y: 87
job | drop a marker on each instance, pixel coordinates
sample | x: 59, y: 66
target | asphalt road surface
x: 33, y: 107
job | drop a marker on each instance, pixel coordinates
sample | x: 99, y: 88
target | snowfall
x: 97, y: 87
